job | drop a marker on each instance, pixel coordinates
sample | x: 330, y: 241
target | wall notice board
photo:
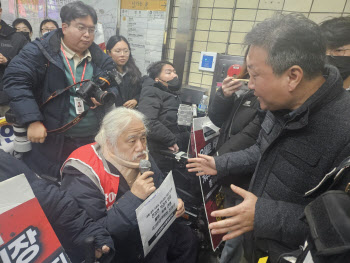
x: 143, y: 22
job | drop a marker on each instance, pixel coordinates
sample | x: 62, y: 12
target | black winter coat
x: 235, y: 115
x: 71, y: 224
x: 293, y: 152
x: 160, y: 107
x: 240, y: 126
x: 128, y: 91
x: 10, y: 45
x: 120, y: 220
x: 30, y: 79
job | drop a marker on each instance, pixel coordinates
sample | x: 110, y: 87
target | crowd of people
x: 277, y: 141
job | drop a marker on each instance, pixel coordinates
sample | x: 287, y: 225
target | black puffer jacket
x: 235, y: 115
x: 293, y: 152
x: 71, y: 224
x: 240, y: 126
x: 10, y: 45
x: 160, y: 107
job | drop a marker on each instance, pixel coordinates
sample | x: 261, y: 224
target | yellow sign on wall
x: 154, y: 5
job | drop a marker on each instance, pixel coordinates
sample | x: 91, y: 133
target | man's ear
x: 156, y: 79
x: 295, y: 76
x: 64, y: 27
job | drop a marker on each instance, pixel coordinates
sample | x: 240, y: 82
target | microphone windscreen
x: 144, y: 166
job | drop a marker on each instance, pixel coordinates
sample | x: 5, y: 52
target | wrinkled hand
x: 240, y: 217
x: 180, y: 208
x: 230, y: 86
x: 3, y: 59
x: 36, y: 132
x: 143, y: 185
x: 100, y: 251
x: 130, y: 104
x: 95, y: 102
x: 204, y: 164
x: 174, y: 148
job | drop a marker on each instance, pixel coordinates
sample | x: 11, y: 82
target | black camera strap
x: 77, y: 119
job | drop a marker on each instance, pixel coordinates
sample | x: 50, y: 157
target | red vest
x: 87, y: 157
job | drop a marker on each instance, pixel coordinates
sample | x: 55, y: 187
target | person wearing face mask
x: 47, y: 25
x: 159, y: 101
x: 22, y: 25
x: 10, y: 45
x: 336, y: 31
x: 118, y: 48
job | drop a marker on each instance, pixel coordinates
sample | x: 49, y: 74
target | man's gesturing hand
x: 204, y: 164
x: 143, y: 185
x: 36, y: 132
x: 240, y: 217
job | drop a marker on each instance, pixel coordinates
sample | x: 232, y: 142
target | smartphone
x: 244, y: 84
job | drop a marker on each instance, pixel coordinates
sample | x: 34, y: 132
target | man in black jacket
x: 71, y: 224
x: 46, y: 67
x: 105, y: 180
x: 11, y: 43
x: 303, y: 136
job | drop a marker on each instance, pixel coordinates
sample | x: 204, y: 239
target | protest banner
x: 25, y: 233
x: 204, y: 138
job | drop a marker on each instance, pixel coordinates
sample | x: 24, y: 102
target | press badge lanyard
x: 70, y: 69
x: 79, y: 101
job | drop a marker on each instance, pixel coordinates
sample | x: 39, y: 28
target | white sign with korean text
x: 156, y: 214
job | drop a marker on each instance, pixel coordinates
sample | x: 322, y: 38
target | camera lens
x: 106, y: 97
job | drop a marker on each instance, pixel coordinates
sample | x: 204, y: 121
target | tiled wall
x: 222, y: 25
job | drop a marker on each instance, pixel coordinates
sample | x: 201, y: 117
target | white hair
x: 115, y: 123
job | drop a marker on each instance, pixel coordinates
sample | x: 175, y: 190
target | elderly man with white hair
x: 104, y: 179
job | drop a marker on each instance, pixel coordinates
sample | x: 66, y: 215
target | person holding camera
x: 118, y: 48
x: 42, y: 84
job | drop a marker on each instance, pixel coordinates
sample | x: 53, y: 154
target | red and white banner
x: 26, y: 235
x: 204, y: 138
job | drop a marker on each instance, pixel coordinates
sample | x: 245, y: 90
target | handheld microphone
x: 144, y: 166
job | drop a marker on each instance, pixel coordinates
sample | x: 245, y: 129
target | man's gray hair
x: 115, y: 123
x: 290, y: 40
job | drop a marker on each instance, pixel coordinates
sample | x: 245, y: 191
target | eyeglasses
x: 83, y: 29
x: 339, y: 52
x: 46, y: 30
x: 121, y: 52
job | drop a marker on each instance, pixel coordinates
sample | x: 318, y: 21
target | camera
x: 96, y: 88
x: 20, y: 144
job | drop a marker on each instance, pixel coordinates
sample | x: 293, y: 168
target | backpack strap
x: 331, y: 180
